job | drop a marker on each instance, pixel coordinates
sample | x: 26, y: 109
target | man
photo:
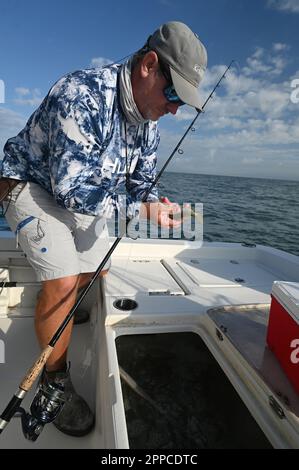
x: 92, y: 140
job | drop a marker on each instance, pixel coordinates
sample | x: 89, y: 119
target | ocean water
x: 235, y: 209
x: 238, y: 209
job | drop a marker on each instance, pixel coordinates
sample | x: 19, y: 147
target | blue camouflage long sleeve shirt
x: 75, y: 146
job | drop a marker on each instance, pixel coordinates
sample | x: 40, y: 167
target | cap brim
x: 187, y: 92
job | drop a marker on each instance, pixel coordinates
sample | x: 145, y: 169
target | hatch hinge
x: 219, y: 335
x: 276, y: 407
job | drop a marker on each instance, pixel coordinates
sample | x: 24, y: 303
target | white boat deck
x: 176, y: 288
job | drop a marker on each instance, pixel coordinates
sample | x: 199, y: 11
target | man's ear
x: 149, y: 64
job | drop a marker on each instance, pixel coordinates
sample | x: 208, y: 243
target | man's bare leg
x: 82, y: 315
x: 56, y: 300
x: 54, y: 303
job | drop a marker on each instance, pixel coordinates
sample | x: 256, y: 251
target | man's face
x: 148, y: 92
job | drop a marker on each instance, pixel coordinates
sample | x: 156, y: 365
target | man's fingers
x: 166, y: 221
x: 175, y: 223
x: 172, y: 208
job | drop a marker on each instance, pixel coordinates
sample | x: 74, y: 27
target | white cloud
x: 21, y: 91
x: 294, y: 76
x: 33, y: 97
x: 185, y: 114
x: 10, y: 120
x: 285, y: 5
x: 10, y: 125
x: 278, y: 46
x: 250, y: 127
x: 271, y: 102
x: 259, y: 52
x: 100, y: 62
x: 262, y: 62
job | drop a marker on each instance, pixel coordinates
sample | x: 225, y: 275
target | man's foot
x: 75, y: 418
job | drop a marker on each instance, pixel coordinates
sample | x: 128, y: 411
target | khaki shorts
x: 57, y: 242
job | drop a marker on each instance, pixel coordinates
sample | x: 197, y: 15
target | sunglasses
x: 169, y: 92
x: 171, y: 96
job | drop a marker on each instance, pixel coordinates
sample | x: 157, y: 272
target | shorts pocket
x: 34, y: 237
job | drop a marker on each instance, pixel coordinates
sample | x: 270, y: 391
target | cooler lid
x: 287, y: 293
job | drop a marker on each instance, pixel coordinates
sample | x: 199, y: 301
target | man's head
x: 168, y: 71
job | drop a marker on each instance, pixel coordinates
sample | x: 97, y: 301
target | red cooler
x: 283, y: 328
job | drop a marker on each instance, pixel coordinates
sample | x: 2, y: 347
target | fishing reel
x: 45, y: 407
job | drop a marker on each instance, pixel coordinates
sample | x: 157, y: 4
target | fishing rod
x: 47, y: 404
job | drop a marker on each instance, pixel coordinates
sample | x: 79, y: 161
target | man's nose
x: 172, y: 107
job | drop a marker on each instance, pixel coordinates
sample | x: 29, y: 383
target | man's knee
x: 61, y: 288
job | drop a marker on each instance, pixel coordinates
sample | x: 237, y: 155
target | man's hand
x: 162, y: 213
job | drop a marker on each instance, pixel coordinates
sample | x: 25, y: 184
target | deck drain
x: 125, y: 304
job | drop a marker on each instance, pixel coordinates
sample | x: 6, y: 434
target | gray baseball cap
x: 186, y: 56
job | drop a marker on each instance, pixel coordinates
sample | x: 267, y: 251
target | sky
x: 250, y: 127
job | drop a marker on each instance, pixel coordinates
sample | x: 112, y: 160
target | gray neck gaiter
x: 127, y: 102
